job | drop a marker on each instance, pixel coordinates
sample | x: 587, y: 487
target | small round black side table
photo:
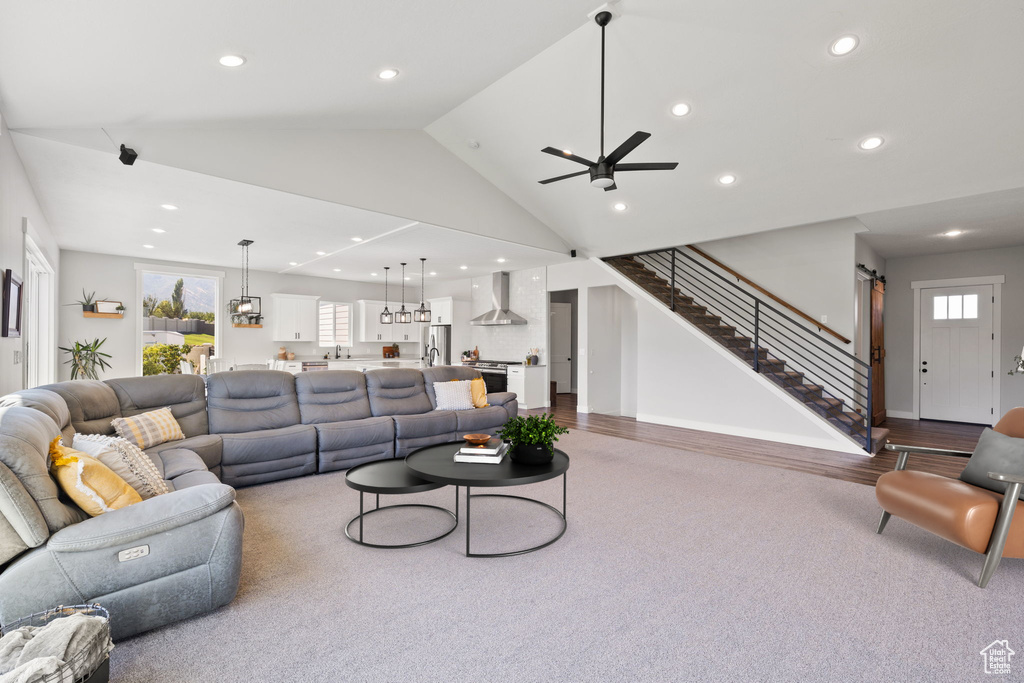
x: 437, y: 464
x: 391, y: 477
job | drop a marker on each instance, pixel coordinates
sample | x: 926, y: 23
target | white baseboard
x: 903, y: 414
x: 840, y: 444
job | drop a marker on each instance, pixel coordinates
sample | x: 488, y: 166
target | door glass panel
x: 956, y: 307
x: 939, y: 310
x: 971, y: 306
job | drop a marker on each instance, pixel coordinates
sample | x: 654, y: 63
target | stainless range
x: 495, y: 373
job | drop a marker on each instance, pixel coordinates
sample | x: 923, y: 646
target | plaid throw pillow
x: 148, y: 429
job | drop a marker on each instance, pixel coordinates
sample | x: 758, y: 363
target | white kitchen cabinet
x: 371, y: 329
x: 527, y: 382
x: 294, y: 317
x: 442, y: 311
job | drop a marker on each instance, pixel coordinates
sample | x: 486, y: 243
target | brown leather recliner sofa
x: 972, y: 517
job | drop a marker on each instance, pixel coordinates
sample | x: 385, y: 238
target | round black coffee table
x: 437, y: 464
x: 391, y: 477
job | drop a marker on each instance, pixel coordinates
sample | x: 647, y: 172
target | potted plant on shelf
x: 86, y: 302
x: 120, y: 309
x: 532, y: 438
x: 86, y: 359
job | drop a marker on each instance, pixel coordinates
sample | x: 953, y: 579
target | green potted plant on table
x: 532, y: 438
x: 86, y: 359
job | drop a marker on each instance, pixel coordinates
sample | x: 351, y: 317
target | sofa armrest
x: 500, y: 398
x: 135, y: 522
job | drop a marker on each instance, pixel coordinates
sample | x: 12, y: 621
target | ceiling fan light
x: 602, y: 181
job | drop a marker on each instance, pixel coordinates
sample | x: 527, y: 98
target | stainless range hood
x: 499, y: 313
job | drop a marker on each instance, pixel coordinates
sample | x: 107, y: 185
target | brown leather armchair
x: 972, y: 517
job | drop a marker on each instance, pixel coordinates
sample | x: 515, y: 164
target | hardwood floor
x: 861, y: 469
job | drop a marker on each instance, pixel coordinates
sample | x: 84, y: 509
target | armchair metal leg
x: 999, y: 533
x: 883, y: 521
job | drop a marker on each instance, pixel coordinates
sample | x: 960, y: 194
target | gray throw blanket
x: 31, y: 653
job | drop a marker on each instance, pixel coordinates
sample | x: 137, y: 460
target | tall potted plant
x: 86, y: 359
x: 532, y: 438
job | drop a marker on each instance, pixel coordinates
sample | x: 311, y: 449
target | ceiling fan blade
x: 562, y: 177
x: 571, y: 157
x: 626, y: 147
x: 611, y: 187
x: 653, y: 166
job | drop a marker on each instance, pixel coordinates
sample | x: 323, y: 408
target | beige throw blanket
x: 31, y: 653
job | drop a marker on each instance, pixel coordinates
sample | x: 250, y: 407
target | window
x: 958, y: 307
x: 179, y: 320
x: 335, y: 324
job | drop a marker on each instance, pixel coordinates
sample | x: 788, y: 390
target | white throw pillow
x: 454, y: 395
x: 126, y: 460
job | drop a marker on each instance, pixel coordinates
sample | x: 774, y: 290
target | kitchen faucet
x: 337, y: 352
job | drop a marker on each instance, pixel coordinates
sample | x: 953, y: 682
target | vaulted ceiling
x: 304, y: 144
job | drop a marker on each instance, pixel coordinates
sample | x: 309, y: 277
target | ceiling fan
x: 602, y: 171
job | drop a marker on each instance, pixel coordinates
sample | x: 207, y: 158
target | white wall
x: 809, y: 266
x: 900, y: 374
x: 527, y: 297
x: 18, y: 202
x: 612, y: 349
x: 114, y: 277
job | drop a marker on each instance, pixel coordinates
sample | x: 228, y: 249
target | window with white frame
x: 335, y: 324
x: 957, y: 307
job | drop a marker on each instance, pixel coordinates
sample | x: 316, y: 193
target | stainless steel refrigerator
x: 439, y: 345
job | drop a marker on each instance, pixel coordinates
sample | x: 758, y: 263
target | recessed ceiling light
x: 407, y: 277
x: 337, y: 270
x: 321, y: 253
x: 293, y: 263
x: 433, y: 273
x: 373, y: 274
x: 681, y: 109
x: 232, y: 60
x: 147, y: 246
x: 463, y: 267
x: 387, y: 74
x: 169, y: 207
x: 159, y: 231
x: 843, y: 45
x: 727, y: 179
x: 501, y: 260
x: 357, y: 239
x: 873, y: 142
x: 567, y: 152
x: 620, y: 206
x: 952, y: 233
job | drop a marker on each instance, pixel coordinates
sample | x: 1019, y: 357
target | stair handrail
x: 794, y: 309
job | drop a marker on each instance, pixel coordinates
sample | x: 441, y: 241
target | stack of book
x: 490, y: 453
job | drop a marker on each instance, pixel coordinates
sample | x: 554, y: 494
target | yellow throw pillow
x: 92, y: 485
x: 479, y: 392
x: 148, y: 429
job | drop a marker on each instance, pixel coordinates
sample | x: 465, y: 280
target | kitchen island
x: 314, y: 363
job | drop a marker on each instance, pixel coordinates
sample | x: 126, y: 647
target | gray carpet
x: 675, y: 566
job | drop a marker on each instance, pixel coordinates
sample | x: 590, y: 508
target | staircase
x: 770, y: 341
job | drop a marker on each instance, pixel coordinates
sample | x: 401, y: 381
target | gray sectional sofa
x: 241, y: 428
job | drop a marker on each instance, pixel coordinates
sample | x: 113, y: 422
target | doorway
x: 40, y: 328
x: 564, y: 334
x: 955, y: 367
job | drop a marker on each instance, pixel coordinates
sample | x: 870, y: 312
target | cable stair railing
x: 831, y: 382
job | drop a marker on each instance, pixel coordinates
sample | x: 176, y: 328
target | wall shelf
x: 112, y: 316
x: 239, y: 325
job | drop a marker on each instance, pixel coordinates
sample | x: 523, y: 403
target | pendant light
x: 385, y: 316
x: 245, y: 306
x: 422, y: 314
x: 403, y: 316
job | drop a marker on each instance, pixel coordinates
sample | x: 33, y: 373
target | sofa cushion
x: 29, y: 497
x: 92, y: 485
x: 454, y: 395
x: 206, y: 446
x: 251, y: 400
x: 332, y: 396
x: 446, y: 373
x: 346, y: 444
x: 482, y: 420
x: 149, y: 429
x: 998, y: 453
x: 126, y: 460
x: 91, y: 403
x: 185, y: 395
x: 427, y: 424
x: 268, y: 455
x: 176, y: 462
x: 397, y: 391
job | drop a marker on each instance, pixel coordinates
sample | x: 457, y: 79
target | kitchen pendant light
x: 403, y: 316
x: 385, y: 316
x: 245, y: 306
x: 422, y: 314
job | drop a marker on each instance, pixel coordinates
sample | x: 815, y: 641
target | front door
x: 877, y: 354
x: 956, y: 372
